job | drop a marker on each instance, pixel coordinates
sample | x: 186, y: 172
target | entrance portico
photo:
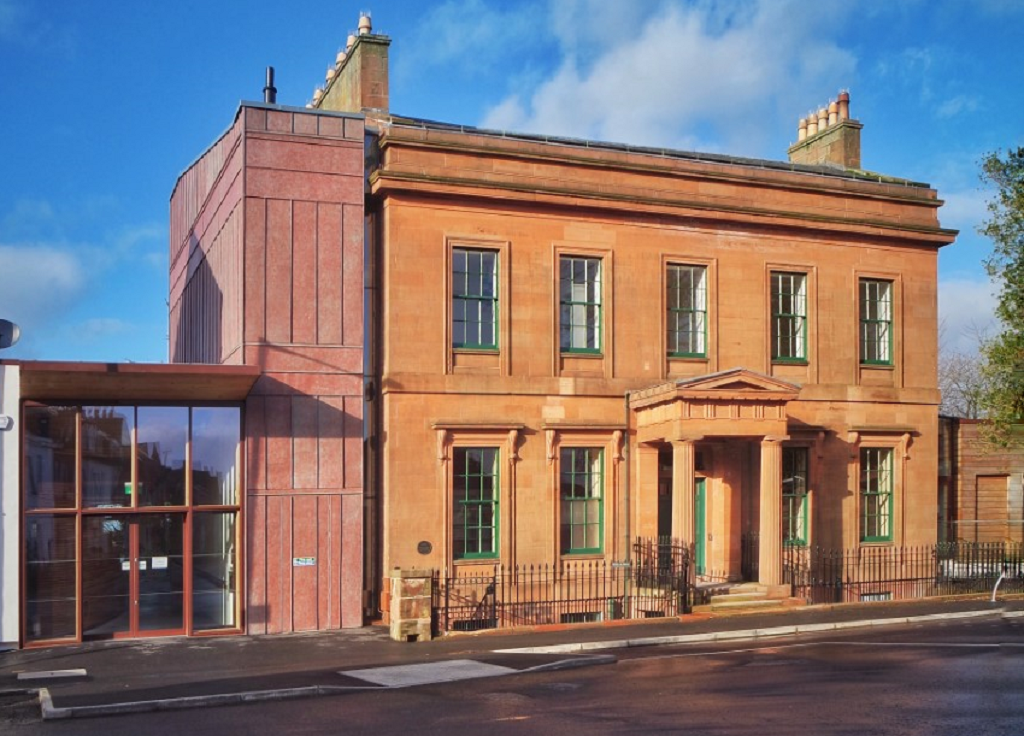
x: 737, y: 408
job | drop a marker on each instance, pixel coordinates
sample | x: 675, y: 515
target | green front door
x: 699, y: 524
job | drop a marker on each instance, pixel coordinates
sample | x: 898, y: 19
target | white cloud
x: 37, y: 284
x: 469, y: 32
x: 99, y: 327
x: 663, y: 77
x: 957, y: 105
x: 965, y: 209
x: 966, y: 311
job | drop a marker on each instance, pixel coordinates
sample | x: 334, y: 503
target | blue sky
x: 105, y: 102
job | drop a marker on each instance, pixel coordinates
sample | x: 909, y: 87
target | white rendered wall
x: 10, y: 394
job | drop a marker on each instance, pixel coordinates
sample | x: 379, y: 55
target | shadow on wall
x: 197, y: 318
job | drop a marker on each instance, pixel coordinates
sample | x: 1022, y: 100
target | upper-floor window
x: 876, y: 492
x: 581, y: 487
x: 794, y: 496
x: 476, y: 493
x: 687, y: 311
x: 876, y: 322
x: 579, y: 289
x: 789, y: 316
x: 474, y: 298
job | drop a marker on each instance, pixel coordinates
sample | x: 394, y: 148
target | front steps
x: 749, y: 598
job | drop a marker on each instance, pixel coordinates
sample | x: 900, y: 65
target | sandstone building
x: 441, y: 347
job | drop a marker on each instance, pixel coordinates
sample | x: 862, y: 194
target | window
x: 580, y: 301
x: 474, y: 299
x: 794, y: 496
x: 876, y: 489
x: 475, y: 511
x: 581, y: 487
x: 687, y: 311
x: 789, y: 317
x: 875, y: 322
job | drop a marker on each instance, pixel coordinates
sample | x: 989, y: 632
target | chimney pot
x: 331, y: 72
x: 365, y: 25
x: 318, y: 94
x: 340, y: 58
x: 812, y: 124
x: 822, y: 119
x: 350, y: 42
x: 844, y: 105
x: 833, y: 113
x: 801, y: 129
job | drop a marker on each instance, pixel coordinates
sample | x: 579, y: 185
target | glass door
x: 700, y: 524
x: 132, y: 575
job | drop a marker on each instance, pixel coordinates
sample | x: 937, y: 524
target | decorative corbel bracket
x: 549, y: 441
x: 617, y: 445
x: 513, y: 441
x: 442, y: 445
x: 854, y: 439
x: 905, y: 442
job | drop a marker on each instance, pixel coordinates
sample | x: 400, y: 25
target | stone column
x: 683, y: 490
x: 770, y: 543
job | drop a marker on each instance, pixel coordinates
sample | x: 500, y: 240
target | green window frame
x: 794, y: 496
x: 789, y: 317
x: 876, y: 322
x: 687, y: 305
x: 579, y: 289
x: 474, y: 299
x: 476, y: 487
x: 876, y: 494
x: 581, y: 488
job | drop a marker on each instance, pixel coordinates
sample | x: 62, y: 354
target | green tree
x: 1003, y: 398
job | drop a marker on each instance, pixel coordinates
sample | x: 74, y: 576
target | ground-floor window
x: 476, y: 488
x: 794, y: 496
x: 130, y: 520
x: 581, y: 488
x: 876, y: 492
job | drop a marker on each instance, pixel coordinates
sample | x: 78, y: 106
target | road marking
x: 431, y: 672
x: 50, y: 674
x: 797, y: 645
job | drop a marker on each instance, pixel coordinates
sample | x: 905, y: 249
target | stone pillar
x: 411, y: 605
x: 683, y: 490
x: 770, y: 543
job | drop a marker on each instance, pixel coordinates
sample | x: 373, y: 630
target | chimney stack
x: 828, y: 137
x: 269, y: 90
x: 358, y: 79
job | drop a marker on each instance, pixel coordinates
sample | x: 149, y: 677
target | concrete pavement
x: 160, y: 674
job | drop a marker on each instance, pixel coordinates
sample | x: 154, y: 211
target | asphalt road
x: 955, y: 678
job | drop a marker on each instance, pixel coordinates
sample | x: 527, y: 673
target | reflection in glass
x: 49, y: 577
x: 162, y: 434
x: 161, y: 572
x: 213, y: 570
x: 50, y: 457
x: 105, y: 575
x: 106, y: 455
x: 215, y: 436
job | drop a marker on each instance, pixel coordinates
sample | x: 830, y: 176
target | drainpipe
x: 625, y: 485
x: 625, y: 463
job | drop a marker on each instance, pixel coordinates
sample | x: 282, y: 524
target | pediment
x: 736, y: 380
x: 734, y: 385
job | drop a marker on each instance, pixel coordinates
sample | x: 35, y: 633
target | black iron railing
x: 895, y: 573
x: 655, y: 582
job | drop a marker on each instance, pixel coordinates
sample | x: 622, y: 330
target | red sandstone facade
x: 693, y: 446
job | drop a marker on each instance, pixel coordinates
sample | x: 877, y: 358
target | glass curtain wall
x: 130, y: 517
